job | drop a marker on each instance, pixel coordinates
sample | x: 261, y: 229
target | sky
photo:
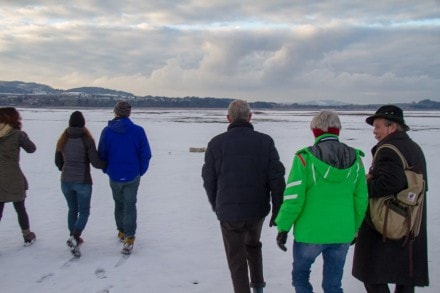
x: 281, y: 51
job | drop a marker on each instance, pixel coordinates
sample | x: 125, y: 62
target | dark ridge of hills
x: 30, y: 94
x: 99, y: 91
x: 20, y: 87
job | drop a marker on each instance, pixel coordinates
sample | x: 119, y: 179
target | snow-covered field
x: 178, y: 246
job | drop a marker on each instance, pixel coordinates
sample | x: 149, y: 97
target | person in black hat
x: 390, y: 113
x: 75, y: 151
x: 378, y: 263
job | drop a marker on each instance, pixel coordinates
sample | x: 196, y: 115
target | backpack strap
x: 397, y: 151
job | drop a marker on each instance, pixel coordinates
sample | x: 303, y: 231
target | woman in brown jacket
x: 13, y: 184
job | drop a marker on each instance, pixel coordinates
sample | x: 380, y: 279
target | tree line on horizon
x: 21, y: 94
x: 99, y: 101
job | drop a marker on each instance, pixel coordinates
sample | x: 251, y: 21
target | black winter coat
x: 378, y: 262
x: 241, y: 173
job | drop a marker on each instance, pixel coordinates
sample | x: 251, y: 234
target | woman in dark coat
x: 13, y: 183
x: 376, y: 262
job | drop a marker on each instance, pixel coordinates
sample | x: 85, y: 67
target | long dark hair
x: 10, y: 115
x: 63, y: 138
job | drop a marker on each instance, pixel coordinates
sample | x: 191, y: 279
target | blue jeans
x: 125, y: 197
x: 78, y: 197
x: 304, y: 256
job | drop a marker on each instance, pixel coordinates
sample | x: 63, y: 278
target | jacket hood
x: 120, y: 125
x: 5, y: 129
x: 75, y: 132
x: 328, y: 172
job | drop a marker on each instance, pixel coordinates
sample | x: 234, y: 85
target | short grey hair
x: 239, y: 110
x: 325, y: 120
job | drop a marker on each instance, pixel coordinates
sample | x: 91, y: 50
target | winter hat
x: 122, y: 109
x: 331, y: 130
x: 77, y: 119
x: 389, y: 112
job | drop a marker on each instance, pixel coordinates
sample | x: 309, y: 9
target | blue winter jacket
x: 124, y: 145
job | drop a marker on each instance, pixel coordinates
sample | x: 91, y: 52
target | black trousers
x: 383, y: 288
x: 243, y: 252
x: 23, y: 219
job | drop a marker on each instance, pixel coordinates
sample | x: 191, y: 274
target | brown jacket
x: 13, y: 184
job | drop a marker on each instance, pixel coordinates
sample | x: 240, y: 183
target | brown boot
x: 121, y: 236
x: 28, y: 236
x: 127, y: 247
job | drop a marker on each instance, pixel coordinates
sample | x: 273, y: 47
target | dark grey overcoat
x: 378, y: 262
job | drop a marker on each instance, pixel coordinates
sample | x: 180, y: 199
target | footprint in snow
x: 100, y: 273
x: 105, y: 290
x: 44, y: 277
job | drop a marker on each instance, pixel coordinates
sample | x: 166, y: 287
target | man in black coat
x: 376, y: 262
x: 242, y: 174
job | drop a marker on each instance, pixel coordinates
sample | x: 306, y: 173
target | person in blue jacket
x: 125, y: 147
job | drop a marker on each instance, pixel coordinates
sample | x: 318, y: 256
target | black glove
x: 281, y: 240
x: 272, y: 220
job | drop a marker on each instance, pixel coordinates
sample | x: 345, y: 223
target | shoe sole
x: 29, y: 243
x: 74, y: 249
x: 76, y: 252
x: 126, y: 250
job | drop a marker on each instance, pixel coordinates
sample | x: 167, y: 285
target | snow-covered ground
x: 178, y: 246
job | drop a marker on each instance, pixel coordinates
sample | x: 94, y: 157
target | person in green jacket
x: 325, y: 201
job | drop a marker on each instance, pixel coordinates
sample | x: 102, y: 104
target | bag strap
x: 396, y: 150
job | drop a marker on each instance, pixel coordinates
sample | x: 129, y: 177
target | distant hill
x: 30, y: 94
x: 324, y: 103
x: 19, y: 87
x: 99, y: 91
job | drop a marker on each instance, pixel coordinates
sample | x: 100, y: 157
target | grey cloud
x: 288, y: 52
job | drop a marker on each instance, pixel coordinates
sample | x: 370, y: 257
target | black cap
x: 389, y: 112
x: 77, y: 119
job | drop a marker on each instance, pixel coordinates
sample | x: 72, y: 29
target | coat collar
x: 240, y: 124
x: 395, y: 136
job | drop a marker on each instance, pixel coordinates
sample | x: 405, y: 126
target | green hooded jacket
x: 324, y: 204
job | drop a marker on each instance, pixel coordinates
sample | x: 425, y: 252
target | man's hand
x: 281, y: 240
